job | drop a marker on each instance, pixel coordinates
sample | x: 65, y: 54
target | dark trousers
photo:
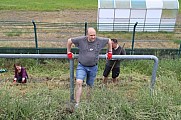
x: 19, y: 80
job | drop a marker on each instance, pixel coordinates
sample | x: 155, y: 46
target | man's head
x: 91, y: 34
x: 114, y: 43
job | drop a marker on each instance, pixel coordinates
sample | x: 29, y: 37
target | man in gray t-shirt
x: 89, y: 49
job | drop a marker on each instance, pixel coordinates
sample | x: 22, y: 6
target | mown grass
x: 130, y: 99
x: 47, y: 5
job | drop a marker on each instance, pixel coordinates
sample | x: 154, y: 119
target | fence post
x: 36, y: 40
x: 71, y: 80
x: 85, y: 28
x: 179, y: 51
x: 132, y: 49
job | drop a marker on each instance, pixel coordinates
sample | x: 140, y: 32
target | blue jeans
x: 90, y: 73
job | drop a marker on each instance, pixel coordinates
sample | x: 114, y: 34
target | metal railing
x: 60, y: 56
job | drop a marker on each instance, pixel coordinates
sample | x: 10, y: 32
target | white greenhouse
x: 151, y: 15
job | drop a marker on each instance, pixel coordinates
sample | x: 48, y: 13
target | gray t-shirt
x: 89, y: 51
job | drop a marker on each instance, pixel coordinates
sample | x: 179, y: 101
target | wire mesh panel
x: 56, y: 34
x: 12, y: 32
x: 49, y: 35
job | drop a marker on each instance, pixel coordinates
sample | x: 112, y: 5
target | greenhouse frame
x: 151, y: 15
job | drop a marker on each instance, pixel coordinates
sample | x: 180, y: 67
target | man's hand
x: 70, y: 55
x: 109, y: 55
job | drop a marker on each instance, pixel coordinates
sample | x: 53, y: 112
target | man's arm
x: 69, y: 44
x: 109, y: 54
x: 110, y: 45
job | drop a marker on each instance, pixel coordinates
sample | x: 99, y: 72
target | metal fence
x: 42, y: 35
x: 26, y: 34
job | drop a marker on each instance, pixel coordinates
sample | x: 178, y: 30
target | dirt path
x: 57, y: 16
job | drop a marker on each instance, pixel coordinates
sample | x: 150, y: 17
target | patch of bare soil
x: 55, y: 16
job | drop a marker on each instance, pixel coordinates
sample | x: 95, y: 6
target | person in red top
x: 21, y: 75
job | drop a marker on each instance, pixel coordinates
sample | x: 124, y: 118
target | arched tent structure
x: 151, y: 15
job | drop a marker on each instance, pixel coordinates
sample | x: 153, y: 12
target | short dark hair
x: 17, y: 64
x: 114, y: 40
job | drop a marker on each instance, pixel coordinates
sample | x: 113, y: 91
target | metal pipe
x: 143, y: 57
x: 33, y: 55
x: 132, y: 57
x: 71, y: 80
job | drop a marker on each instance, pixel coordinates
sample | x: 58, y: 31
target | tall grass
x: 130, y: 99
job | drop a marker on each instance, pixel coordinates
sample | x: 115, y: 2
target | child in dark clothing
x: 20, y: 74
x: 113, y: 65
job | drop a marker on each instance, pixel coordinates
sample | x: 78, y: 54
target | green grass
x: 13, y: 32
x: 45, y: 97
x: 130, y: 99
x: 47, y: 5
